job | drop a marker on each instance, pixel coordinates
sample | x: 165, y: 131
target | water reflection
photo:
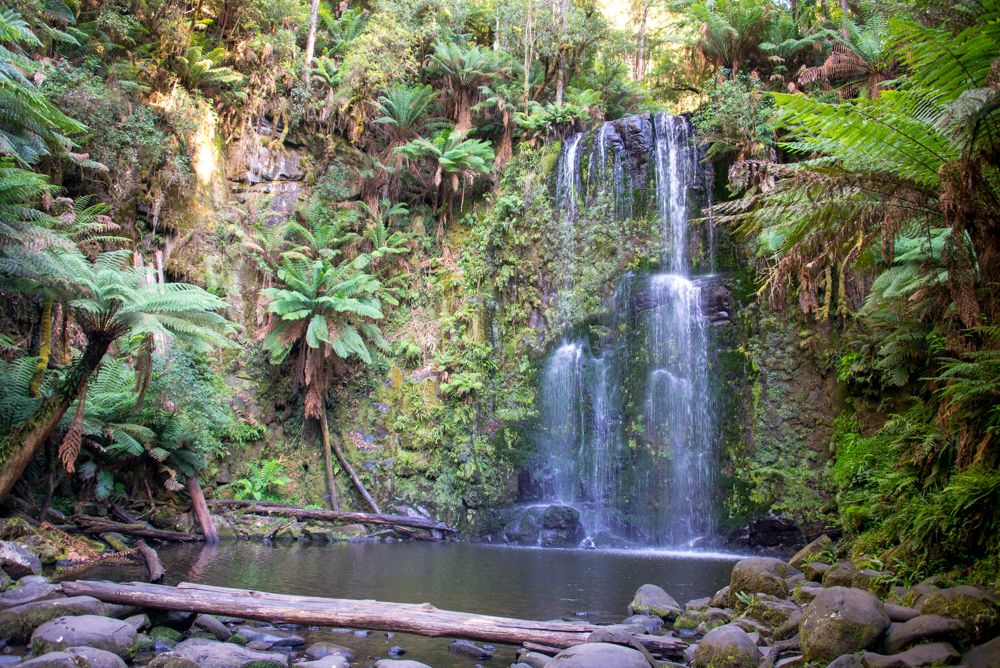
x: 516, y: 582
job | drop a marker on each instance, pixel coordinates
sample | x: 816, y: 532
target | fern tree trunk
x: 331, y: 483
x: 21, y: 444
x: 44, y: 348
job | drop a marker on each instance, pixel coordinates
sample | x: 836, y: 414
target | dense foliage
x: 226, y: 223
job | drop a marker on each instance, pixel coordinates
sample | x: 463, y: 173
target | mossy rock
x: 727, y: 646
x: 165, y: 633
x: 650, y: 599
x: 978, y: 608
x: 761, y: 575
x: 841, y: 620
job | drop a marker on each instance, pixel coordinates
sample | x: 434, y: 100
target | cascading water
x: 626, y: 430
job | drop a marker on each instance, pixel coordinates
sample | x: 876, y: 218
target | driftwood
x: 153, y: 564
x: 282, y: 510
x: 419, y: 618
x: 98, y: 525
x: 201, y: 510
x: 541, y: 649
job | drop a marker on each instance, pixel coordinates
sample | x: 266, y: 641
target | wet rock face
x: 716, y: 302
x: 550, y: 526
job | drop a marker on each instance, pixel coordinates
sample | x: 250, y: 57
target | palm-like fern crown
x: 452, y: 152
x: 322, y: 233
x: 464, y: 66
x: 112, y: 299
x: 328, y: 307
x: 403, y: 107
x: 199, y: 69
x: 30, y: 126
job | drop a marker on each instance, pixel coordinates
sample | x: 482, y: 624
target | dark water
x: 516, y: 582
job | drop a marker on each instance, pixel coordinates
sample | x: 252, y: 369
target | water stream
x: 626, y: 432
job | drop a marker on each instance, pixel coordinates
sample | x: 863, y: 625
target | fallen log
x: 419, y: 618
x: 98, y: 525
x: 153, y: 564
x: 341, y: 517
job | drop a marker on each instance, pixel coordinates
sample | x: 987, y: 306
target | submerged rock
x: 323, y: 648
x: 727, y: 646
x: 598, y: 655
x: 653, y: 600
x: 112, y: 635
x: 469, y: 648
x: 841, y: 620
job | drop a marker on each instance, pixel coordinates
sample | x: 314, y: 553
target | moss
x: 238, y: 639
x: 165, y: 633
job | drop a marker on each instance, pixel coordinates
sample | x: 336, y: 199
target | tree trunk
x: 420, y: 618
x: 640, y: 60
x: 311, y: 39
x: 335, y: 517
x: 21, y: 444
x: 99, y: 525
x: 201, y: 510
x: 331, y: 483
x: 153, y: 564
x: 44, y: 348
x: 354, y: 477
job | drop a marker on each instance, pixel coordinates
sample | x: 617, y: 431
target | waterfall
x: 641, y: 468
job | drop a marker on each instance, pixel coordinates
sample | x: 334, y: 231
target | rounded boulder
x: 841, y: 620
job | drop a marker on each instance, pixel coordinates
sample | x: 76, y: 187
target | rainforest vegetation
x: 304, y: 251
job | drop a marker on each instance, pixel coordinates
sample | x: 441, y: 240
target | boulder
x: 978, y: 608
x: 17, y: 623
x: 598, y: 655
x: 533, y: 659
x: 810, y: 552
x: 112, y: 635
x: 18, y: 561
x: 214, y: 654
x: 77, y: 657
x: 842, y: 574
x: 986, y: 655
x: 723, y: 598
x: 841, y: 620
x: 171, y: 660
x: 921, y: 656
x: 727, y: 646
x: 651, y: 623
x: 650, y: 599
x: 898, y: 613
x: 139, y: 622
x: 469, y: 648
x: 323, y: 648
x: 815, y: 570
x: 760, y: 575
x: 919, y: 629
x: 213, y: 626
x: 29, y: 589
x: 331, y: 661
x: 848, y: 661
